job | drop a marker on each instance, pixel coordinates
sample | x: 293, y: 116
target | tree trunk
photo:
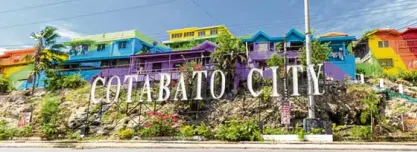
x: 35, y: 67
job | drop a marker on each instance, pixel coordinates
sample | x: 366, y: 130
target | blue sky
x: 155, y: 17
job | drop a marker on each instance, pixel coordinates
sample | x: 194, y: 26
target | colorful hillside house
x: 16, y: 66
x: 108, y: 54
x: 171, y: 62
x: 186, y: 38
x: 340, y: 64
x: 393, y: 51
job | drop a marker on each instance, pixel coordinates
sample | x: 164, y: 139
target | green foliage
x: 370, y: 103
x: 238, y: 130
x: 317, y: 131
x: 203, y: 130
x: 58, y: 81
x: 80, y: 42
x: 26, y: 131
x: 319, y: 54
x: 409, y: 76
x: 48, y: 52
x: 275, y: 60
x: 74, y: 135
x: 125, y: 134
x: 5, y: 85
x: 187, y: 131
x: 301, y: 134
x: 6, y: 132
x: 363, y: 132
x: 49, y: 117
x: 229, y: 51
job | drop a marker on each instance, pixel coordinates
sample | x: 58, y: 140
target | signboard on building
x: 410, y: 122
x: 24, y: 119
x: 286, y: 114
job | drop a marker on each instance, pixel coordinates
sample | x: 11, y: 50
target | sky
x: 75, y: 18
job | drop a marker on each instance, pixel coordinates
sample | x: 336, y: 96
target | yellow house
x: 178, y: 38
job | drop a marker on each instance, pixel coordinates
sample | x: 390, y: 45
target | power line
x: 86, y: 15
x: 37, y: 6
x: 205, y: 11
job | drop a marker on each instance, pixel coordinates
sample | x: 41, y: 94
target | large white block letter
x: 163, y: 86
x: 116, y: 97
x: 223, y: 82
x: 250, y: 75
x: 146, y: 88
x: 130, y: 78
x: 199, y: 78
x: 295, y: 78
x: 181, y: 87
x: 274, y: 81
x: 315, y: 78
x: 93, y: 88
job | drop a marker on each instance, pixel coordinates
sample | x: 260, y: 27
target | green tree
x: 319, y: 52
x: 47, y: 51
x: 370, y: 104
x: 229, y: 51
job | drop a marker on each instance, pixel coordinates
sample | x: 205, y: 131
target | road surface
x: 161, y: 150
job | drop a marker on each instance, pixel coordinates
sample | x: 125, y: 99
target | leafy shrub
x: 363, y: 132
x: 317, y: 131
x: 49, y: 117
x: 187, y: 131
x: 6, y: 133
x: 203, y: 130
x: 74, y: 135
x: 58, y: 81
x: 301, y: 134
x: 238, y: 130
x: 409, y: 76
x: 49, y: 131
x: 26, y: 131
x: 126, y: 134
x: 159, y: 124
x: 5, y: 85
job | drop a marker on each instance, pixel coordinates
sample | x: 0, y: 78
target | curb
x: 148, y: 145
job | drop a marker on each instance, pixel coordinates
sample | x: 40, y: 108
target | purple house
x: 170, y: 62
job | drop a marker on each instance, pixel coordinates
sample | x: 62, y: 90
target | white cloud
x: 2, y: 50
x: 377, y: 14
x: 67, y: 33
x: 65, y: 30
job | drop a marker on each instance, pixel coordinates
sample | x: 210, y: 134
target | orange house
x: 14, y: 67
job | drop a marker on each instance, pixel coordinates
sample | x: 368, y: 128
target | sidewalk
x: 210, y: 145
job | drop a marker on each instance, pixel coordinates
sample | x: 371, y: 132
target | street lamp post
x: 311, y: 103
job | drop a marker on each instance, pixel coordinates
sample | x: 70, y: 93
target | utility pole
x: 311, y: 104
x: 285, y: 70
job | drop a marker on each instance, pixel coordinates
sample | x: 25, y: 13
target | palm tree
x: 47, y: 51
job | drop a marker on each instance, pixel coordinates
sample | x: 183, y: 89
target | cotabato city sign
x: 165, y: 80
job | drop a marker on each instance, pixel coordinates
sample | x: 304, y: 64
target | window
x: 122, y: 44
x: 213, y: 32
x: 386, y: 63
x: 188, y: 34
x: 383, y: 44
x: 84, y: 48
x: 263, y: 47
x: 156, y: 67
x: 101, y: 47
x: 250, y: 47
x: 178, y: 35
x: 201, y: 33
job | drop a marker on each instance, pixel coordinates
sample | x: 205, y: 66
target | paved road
x: 160, y: 150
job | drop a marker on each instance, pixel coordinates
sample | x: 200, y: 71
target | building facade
x: 186, y: 38
x: 393, y: 51
x: 108, y: 54
x: 16, y: 66
x: 341, y: 62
